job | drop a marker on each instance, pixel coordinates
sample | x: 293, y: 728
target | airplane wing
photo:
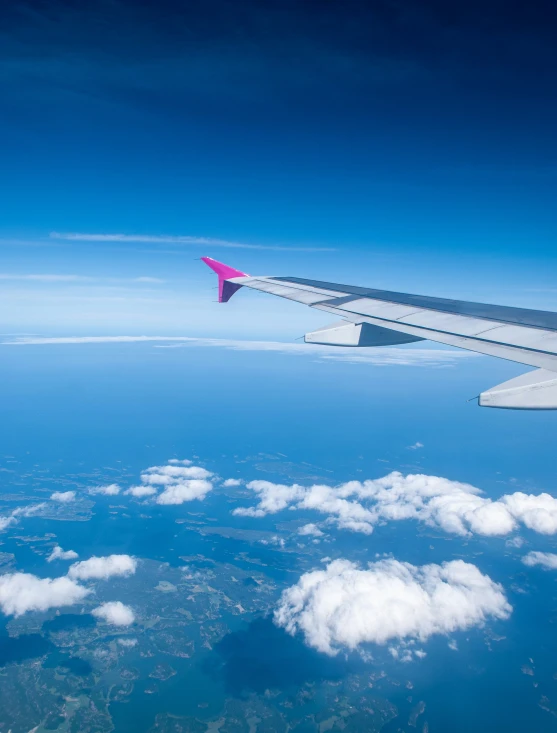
x: 373, y: 317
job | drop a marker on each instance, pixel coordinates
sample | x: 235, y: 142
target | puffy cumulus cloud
x: 350, y: 515
x: 165, y: 475
x: 345, y: 606
x: 537, y: 512
x: 97, y: 568
x: 452, y: 506
x: 273, y: 498
x: 59, y: 554
x: 310, y: 530
x: 22, y: 592
x: 115, y: 613
x: 63, y: 496
x: 182, y: 491
x: 141, y: 491
x: 547, y: 560
x: 180, y: 481
x: 229, y: 482
x: 109, y: 490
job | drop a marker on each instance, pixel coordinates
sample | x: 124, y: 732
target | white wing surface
x: 380, y: 317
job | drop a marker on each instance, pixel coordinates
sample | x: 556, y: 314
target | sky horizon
x: 395, y: 146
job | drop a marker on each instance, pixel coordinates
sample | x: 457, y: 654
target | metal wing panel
x: 378, y: 309
x: 501, y: 313
x: 302, y: 294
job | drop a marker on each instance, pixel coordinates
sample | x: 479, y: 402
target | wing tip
x: 224, y: 274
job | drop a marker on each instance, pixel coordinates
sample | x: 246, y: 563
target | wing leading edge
x: 378, y: 318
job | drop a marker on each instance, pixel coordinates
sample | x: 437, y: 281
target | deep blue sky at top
x: 416, y: 140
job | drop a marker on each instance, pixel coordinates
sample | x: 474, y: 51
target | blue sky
x: 400, y: 146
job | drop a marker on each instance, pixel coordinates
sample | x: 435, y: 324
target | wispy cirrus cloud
x: 177, y: 239
x: 69, y: 278
x: 44, y: 277
x: 380, y: 356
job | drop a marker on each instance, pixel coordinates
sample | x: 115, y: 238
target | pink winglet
x: 224, y: 272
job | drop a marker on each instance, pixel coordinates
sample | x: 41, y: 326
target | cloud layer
x: 345, y: 606
x: 383, y: 356
x: 452, y: 506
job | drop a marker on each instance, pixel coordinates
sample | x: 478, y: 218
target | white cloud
x: 54, y: 340
x: 394, y: 356
x: 165, y: 475
x: 182, y: 491
x: 6, y: 522
x: 59, y: 554
x: 416, y: 446
x: 115, y: 613
x: 452, y: 506
x: 310, y: 530
x: 103, y: 567
x: 42, y: 277
x: 537, y: 512
x: 109, y: 490
x: 230, y: 482
x: 453, y: 645
x: 64, y: 497
x: 23, y: 511
x: 515, y: 542
x: 22, y: 592
x: 273, y: 498
x: 28, y: 511
x: 345, y: 606
x: 181, y: 481
x: 141, y: 491
x: 180, y: 240
x: 128, y: 643
x: 547, y: 560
